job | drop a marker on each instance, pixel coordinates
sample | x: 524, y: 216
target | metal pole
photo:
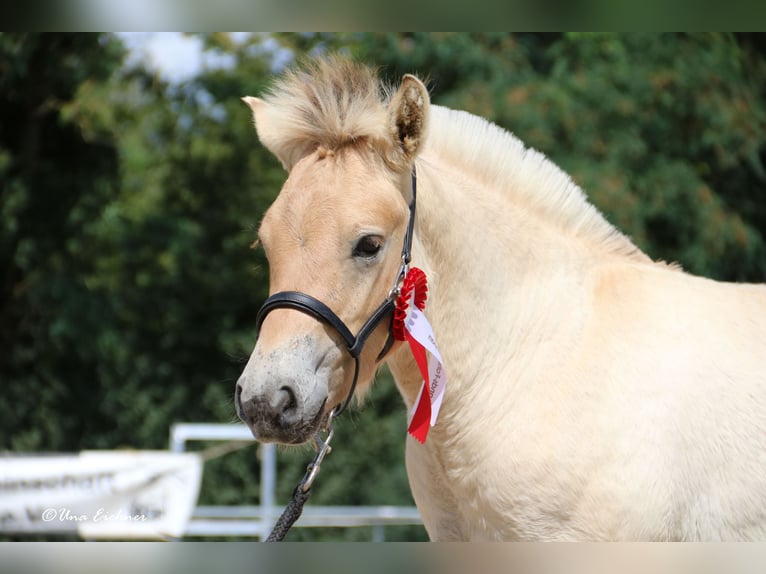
x: 378, y: 533
x: 268, y: 487
x: 177, y: 442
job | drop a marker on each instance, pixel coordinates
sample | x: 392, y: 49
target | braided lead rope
x: 290, y: 514
x: 302, y: 492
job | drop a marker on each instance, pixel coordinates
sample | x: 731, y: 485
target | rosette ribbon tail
x: 421, y: 412
x: 411, y: 325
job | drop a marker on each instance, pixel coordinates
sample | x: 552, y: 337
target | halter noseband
x: 314, y: 307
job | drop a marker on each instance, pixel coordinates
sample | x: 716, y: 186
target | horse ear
x: 268, y: 134
x: 408, y: 119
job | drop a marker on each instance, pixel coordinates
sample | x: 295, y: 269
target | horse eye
x: 368, y: 246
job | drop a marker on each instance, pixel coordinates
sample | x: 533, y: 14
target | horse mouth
x: 280, y: 430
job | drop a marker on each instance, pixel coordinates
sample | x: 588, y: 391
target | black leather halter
x: 314, y: 307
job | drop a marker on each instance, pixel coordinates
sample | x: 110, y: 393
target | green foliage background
x: 128, y: 291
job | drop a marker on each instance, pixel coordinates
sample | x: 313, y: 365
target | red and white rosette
x: 412, y: 326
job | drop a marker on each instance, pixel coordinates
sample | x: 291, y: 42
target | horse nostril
x: 287, y: 401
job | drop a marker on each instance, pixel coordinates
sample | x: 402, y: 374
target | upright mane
x: 335, y: 102
x: 500, y: 160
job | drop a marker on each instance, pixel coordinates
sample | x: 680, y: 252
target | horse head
x: 334, y: 233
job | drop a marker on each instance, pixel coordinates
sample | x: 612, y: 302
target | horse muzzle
x: 283, y: 401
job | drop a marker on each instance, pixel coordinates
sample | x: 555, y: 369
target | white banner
x: 100, y: 494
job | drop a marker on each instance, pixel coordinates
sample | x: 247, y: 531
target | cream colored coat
x: 592, y: 393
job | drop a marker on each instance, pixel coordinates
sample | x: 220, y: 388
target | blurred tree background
x: 128, y: 204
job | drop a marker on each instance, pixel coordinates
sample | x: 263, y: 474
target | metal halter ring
x: 323, y: 448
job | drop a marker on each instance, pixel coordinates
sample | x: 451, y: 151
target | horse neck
x: 498, y: 274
